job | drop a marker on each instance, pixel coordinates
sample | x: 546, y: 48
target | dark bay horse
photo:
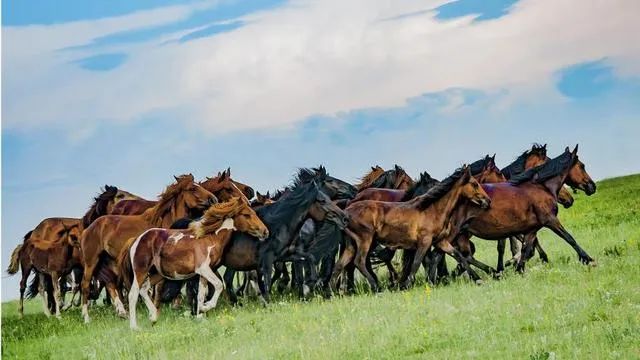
x: 106, y: 237
x: 181, y: 254
x: 49, y: 231
x: 527, y: 203
x: 412, y: 224
x: 483, y: 170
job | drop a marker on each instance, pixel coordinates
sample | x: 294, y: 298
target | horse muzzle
x: 262, y: 235
x: 485, y: 203
x: 590, y: 188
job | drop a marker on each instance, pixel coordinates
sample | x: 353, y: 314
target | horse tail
x: 14, y: 263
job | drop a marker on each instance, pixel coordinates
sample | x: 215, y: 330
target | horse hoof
x: 497, y: 275
x: 479, y: 282
x: 592, y: 263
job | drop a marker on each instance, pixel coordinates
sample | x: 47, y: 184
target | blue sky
x: 132, y: 93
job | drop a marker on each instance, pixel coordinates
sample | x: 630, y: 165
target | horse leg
x: 26, y: 271
x: 436, y: 258
x: 543, y: 255
x: 56, y: 292
x: 364, y: 243
x: 208, y: 274
x: 89, y: 267
x: 134, y: 292
x: 203, y: 286
x: 527, y: 251
x: 456, y: 254
x: 502, y: 244
x: 421, y: 251
x: 345, y: 258
x: 557, y: 228
x: 112, y: 290
x: 145, y: 292
x: 228, y: 281
x: 42, y: 289
x: 515, y: 244
x: 157, y: 296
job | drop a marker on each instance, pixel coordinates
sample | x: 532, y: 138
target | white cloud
x: 307, y: 58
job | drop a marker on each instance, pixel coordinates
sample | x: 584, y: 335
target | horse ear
x: 575, y: 150
x: 467, y: 173
x: 544, y: 146
x: 222, y: 177
x: 229, y: 171
x: 267, y: 195
x: 175, y: 177
x: 566, y: 149
x: 493, y: 158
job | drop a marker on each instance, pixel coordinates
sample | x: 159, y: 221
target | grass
x: 557, y: 310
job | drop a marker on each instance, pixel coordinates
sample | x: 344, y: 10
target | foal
x: 182, y: 254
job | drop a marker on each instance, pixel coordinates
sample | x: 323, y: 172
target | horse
x: 49, y: 230
x: 527, y: 203
x: 483, y: 170
x: 261, y: 200
x: 182, y: 254
x: 537, y: 155
x: 283, y: 218
x: 413, y: 224
x: 106, y: 236
x: 222, y: 186
x: 367, y: 180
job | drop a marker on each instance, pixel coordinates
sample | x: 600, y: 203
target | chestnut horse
x: 413, y: 224
x: 182, y: 254
x: 261, y: 200
x: 108, y: 234
x: 223, y: 187
x: 54, y: 258
x: 49, y: 231
x: 527, y: 203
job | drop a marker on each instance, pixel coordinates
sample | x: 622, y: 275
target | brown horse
x: 108, y: 234
x: 54, y: 258
x: 413, y: 224
x: 182, y: 254
x: 223, y: 187
x: 367, y: 180
x: 536, y: 156
x: 527, y: 203
x: 483, y: 170
x: 49, y: 230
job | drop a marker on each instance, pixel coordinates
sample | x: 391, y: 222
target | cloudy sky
x: 129, y: 93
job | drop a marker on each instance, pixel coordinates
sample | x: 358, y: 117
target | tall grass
x: 558, y: 310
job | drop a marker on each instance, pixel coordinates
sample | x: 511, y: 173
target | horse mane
x: 285, y: 208
x: 99, y: 206
x: 367, y: 180
x: 544, y: 172
x: 167, y: 199
x: 517, y: 166
x: 306, y: 175
x: 214, y: 217
x: 439, y: 190
x: 425, y: 182
x: 478, y: 166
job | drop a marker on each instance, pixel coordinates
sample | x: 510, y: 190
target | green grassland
x: 558, y: 310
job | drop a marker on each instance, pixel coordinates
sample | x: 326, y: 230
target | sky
x: 129, y: 93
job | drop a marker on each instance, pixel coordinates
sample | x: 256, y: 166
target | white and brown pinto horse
x: 160, y: 254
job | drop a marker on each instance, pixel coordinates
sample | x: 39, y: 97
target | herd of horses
x: 311, y: 235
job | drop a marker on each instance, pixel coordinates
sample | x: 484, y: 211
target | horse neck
x: 556, y: 183
x: 444, y: 207
x: 165, y: 221
x: 222, y: 237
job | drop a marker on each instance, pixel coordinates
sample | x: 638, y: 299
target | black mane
x: 424, y: 184
x: 476, y: 167
x: 544, y: 172
x: 99, y: 206
x: 439, y: 190
x: 517, y: 166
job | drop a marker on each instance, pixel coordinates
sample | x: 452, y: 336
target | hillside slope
x: 559, y: 310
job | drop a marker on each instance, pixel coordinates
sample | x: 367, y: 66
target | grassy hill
x: 559, y: 310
